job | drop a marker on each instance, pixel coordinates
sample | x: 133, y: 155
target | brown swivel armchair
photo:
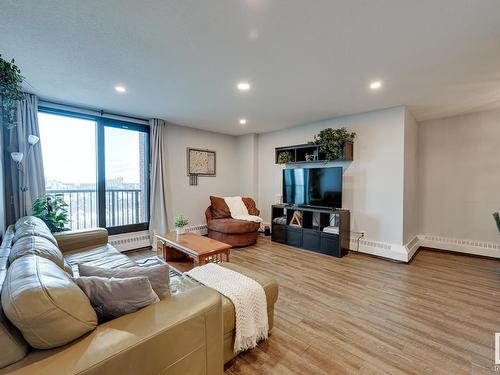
x: 222, y: 227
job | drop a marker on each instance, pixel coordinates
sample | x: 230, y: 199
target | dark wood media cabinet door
x: 278, y: 233
x: 330, y: 244
x: 294, y: 236
x: 311, y: 239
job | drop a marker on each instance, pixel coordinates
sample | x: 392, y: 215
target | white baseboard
x: 130, y: 241
x: 412, y: 247
x: 200, y: 229
x: 488, y: 249
x: 405, y: 253
x: 381, y: 249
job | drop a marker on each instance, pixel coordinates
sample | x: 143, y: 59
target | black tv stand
x: 310, y: 235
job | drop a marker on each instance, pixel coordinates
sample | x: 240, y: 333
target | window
x: 100, y: 167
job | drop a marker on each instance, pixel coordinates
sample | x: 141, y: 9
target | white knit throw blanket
x: 248, y: 298
x: 239, y: 211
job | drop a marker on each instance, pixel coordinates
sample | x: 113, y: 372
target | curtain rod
x: 92, y: 112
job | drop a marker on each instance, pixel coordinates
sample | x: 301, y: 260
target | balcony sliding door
x: 69, y: 161
x: 126, y: 176
x: 100, y: 167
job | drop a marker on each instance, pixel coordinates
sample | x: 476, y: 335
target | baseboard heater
x: 137, y: 240
x: 130, y: 241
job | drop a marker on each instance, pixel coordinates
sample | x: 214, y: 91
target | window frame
x: 101, y: 123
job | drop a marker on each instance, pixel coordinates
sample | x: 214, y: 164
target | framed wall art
x: 200, y: 162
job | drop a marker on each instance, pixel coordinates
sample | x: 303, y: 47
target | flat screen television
x: 315, y: 187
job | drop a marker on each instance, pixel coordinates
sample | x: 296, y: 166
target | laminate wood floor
x: 364, y: 315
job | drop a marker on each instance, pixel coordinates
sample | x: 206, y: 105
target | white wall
x: 191, y: 201
x: 248, y: 165
x: 373, y: 182
x: 410, y: 212
x: 459, y: 180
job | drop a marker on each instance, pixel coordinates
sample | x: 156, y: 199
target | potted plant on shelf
x: 180, y: 222
x: 10, y: 92
x: 331, y: 142
x: 285, y: 157
x: 52, y: 209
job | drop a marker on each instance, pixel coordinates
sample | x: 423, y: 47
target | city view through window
x: 69, y: 149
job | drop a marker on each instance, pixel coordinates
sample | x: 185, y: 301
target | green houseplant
x: 285, y: 157
x: 52, y: 209
x: 180, y: 222
x: 331, y: 142
x: 10, y: 92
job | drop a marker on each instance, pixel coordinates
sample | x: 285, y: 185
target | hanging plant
x: 331, y: 142
x: 285, y: 157
x: 10, y: 92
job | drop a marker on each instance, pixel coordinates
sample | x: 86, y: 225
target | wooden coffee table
x: 192, y: 248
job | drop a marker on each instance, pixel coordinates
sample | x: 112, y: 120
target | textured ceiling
x: 306, y: 60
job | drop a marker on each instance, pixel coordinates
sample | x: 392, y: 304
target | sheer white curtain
x: 31, y: 174
x: 158, y: 222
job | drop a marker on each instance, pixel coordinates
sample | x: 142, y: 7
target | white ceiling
x: 306, y: 60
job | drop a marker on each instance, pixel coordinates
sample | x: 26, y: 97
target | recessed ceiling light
x: 243, y: 86
x: 120, y: 89
x: 243, y: 121
x: 375, y: 85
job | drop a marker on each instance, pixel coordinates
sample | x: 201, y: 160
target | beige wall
x: 459, y: 176
x: 248, y: 165
x: 192, y: 201
x: 410, y: 212
x: 373, y: 182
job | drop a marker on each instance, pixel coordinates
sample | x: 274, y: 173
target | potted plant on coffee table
x: 180, y: 222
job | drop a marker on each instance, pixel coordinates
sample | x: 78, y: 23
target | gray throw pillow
x: 158, y: 275
x: 112, y: 298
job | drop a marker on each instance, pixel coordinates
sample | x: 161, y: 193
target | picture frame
x: 201, y: 162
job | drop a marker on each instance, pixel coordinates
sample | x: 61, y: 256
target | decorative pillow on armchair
x: 219, y: 208
x: 251, y: 206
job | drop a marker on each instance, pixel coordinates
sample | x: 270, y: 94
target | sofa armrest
x: 182, y: 334
x: 208, y: 214
x: 81, y: 239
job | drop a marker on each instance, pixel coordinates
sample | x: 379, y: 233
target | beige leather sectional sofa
x: 191, y: 332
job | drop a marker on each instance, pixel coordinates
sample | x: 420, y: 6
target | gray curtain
x: 16, y: 140
x: 158, y: 222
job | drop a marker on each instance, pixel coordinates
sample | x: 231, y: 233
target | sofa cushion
x: 42, y: 301
x: 158, y: 275
x: 251, y: 206
x: 103, y: 256
x: 12, y: 344
x: 34, y: 245
x: 24, y: 232
x: 32, y: 221
x: 233, y: 226
x: 219, y: 208
x: 112, y: 297
x: 32, y: 226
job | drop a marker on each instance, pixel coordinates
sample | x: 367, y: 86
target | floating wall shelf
x: 301, y: 153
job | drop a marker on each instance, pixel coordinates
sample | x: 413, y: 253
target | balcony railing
x: 123, y: 207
